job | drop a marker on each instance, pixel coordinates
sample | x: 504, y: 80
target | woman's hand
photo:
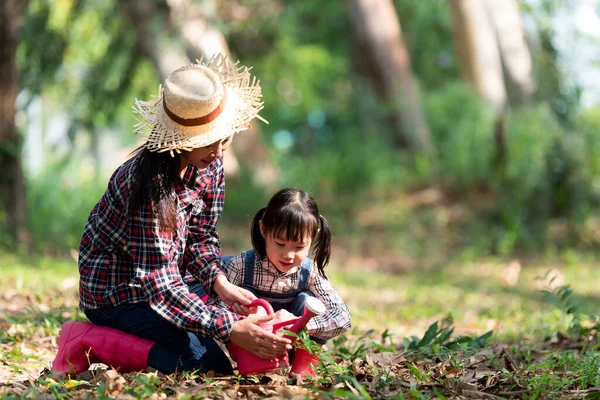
x: 248, y: 335
x: 233, y: 295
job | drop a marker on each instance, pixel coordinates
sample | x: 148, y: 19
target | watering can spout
x: 312, y: 308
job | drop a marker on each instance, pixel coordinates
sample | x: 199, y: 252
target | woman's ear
x: 262, y: 229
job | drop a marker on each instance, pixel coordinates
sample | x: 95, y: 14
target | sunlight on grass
x: 480, y: 296
x: 38, y: 295
x: 487, y: 295
x: 37, y: 273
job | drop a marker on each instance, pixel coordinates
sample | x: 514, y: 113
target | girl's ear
x: 262, y: 229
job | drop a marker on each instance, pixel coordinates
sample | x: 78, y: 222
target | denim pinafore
x: 291, y: 301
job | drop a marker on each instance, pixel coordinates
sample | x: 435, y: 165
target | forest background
x: 453, y: 146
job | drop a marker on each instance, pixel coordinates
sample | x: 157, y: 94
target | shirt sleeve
x: 202, y: 254
x: 336, y: 319
x: 233, y: 271
x: 162, y: 283
x: 169, y: 297
x: 157, y: 272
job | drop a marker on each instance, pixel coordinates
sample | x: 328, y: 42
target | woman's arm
x: 202, y: 253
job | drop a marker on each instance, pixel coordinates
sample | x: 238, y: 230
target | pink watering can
x: 248, y: 363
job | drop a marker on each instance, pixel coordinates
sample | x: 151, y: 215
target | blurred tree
x: 380, y: 48
x: 427, y: 32
x: 12, y: 185
x: 553, y: 86
x: 79, y: 54
x: 91, y: 56
x: 493, y: 53
x: 494, y: 57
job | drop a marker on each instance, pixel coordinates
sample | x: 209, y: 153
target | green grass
x: 476, y: 295
x: 564, y: 371
x: 25, y: 273
x: 439, y: 314
x: 39, y: 294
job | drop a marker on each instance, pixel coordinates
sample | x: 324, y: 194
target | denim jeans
x: 175, y: 350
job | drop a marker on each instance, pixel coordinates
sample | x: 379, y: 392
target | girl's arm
x: 336, y: 319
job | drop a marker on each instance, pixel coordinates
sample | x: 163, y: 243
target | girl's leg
x: 297, y: 308
x: 175, y: 350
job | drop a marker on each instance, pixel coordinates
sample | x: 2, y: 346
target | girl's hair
x: 155, y: 177
x: 293, y: 214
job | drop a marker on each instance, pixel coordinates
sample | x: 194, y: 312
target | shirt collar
x: 195, y: 178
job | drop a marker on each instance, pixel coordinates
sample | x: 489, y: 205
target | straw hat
x: 199, y: 104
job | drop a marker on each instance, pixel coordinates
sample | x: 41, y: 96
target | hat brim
x: 243, y: 104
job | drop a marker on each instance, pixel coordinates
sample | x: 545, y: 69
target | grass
x: 478, y: 295
x: 434, y: 319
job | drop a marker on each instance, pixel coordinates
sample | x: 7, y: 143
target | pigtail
x: 322, y: 246
x: 258, y: 241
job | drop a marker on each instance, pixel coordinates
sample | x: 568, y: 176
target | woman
x: 155, y: 230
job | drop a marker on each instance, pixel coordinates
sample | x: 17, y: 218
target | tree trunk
x: 514, y: 52
x: 12, y: 183
x: 494, y: 57
x: 478, y: 52
x: 377, y: 30
x: 151, y: 43
x: 492, y: 50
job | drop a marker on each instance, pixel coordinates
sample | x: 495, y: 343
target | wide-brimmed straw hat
x: 199, y: 104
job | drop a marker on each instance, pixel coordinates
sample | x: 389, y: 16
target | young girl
x: 278, y: 269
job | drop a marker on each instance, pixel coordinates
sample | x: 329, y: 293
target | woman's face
x: 203, y: 156
x: 285, y: 254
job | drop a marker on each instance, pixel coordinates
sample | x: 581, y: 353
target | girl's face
x: 285, y: 254
x: 203, y: 156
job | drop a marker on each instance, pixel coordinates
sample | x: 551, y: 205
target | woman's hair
x: 293, y: 214
x: 155, y: 177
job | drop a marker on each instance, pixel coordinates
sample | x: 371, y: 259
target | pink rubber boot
x: 303, y: 363
x: 83, y: 343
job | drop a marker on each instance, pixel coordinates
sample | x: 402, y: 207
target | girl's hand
x: 248, y: 335
x: 232, y: 294
x: 243, y: 310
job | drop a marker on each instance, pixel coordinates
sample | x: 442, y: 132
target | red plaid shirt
x: 130, y: 260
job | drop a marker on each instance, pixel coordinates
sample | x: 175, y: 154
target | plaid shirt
x: 336, y: 319
x: 130, y: 260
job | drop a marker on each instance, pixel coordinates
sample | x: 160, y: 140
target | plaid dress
x: 130, y: 260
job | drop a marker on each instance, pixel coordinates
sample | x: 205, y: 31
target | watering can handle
x: 262, y: 303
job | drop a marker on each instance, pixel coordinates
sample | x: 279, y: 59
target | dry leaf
x: 115, y: 383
